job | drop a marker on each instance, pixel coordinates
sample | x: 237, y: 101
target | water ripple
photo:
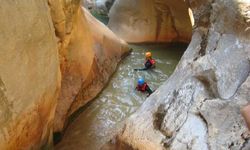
x: 119, y: 99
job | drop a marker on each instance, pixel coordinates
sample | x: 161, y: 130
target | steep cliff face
x: 29, y: 74
x: 108, y: 51
x: 151, y: 21
x: 49, y: 50
x: 89, y: 53
x: 199, y: 106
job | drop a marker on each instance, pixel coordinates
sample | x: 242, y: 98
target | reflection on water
x: 94, y: 126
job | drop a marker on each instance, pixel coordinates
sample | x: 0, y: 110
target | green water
x: 99, y: 120
x: 104, y: 19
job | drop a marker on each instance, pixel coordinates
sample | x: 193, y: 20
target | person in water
x: 149, y: 61
x: 143, y: 86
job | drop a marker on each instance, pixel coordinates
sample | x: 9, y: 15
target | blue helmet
x: 141, y: 81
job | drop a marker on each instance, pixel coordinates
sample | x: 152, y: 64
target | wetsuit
x: 144, y: 88
x: 150, y: 63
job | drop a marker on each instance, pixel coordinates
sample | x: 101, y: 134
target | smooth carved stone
x: 89, y: 54
x: 54, y: 58
x: 151, y: 21
x: 29, y: 75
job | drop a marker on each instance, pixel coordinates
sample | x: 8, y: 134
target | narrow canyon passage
x: 98, y: 121
x: 66, y: 85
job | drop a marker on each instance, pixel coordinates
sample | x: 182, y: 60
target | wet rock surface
x: 198, y: 107
x: 151, y: 21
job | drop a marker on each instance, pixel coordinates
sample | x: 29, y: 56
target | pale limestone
x: 198, y: 107
x: 151, y: 21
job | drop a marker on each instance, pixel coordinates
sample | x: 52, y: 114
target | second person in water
x: 143, y: 86
x: 149, y: 61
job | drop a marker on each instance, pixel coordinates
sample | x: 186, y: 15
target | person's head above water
x: 148, y: 54
x: 141, y: 81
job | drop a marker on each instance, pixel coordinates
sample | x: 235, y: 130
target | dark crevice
x: 159, y: 117
x: 203, y: 119
x: 109, y: 4
x: 174, y: 24
x: 158, y: 24
x: 206, y: 123
x: 159, y: 19
x: 217, y: 42
x: 246, y: 144
x: 209, y: 81
x: 203, y: 45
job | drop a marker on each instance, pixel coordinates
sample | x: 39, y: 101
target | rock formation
x: 198, y: 107
x: 29, y: 74
x: 49, y: 50
x: 89, y: 54
x: 151, y: 21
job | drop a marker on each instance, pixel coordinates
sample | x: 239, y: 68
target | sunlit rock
x: 151, y: 21
x: 53, y: 60
x: 29, y: 75
x: 89, y: 53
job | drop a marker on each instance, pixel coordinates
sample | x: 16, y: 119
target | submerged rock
x: 198, y: 107
x: 151, y: 21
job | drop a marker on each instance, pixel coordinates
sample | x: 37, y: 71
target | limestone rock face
x: 53, y: 60
x: 108, y: 51
x: 89, y: 53
x: 151, y: 21
x: 198, y: 107
x: 29, y: 74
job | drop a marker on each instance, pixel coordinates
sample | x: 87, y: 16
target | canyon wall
x: 53, y: 60
x: 29, y: 74
x: 151, y: 21
x: 89, y: 53
x: 198, y: 107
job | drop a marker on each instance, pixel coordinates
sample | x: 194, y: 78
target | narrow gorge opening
x: 98, y: 121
